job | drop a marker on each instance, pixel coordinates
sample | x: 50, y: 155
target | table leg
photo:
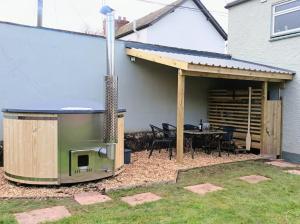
x: 191, y: 144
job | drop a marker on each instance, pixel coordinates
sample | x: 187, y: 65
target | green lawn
x: 275, y: 201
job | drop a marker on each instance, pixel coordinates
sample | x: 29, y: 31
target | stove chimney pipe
x: 40, y: 13
x: 111, y: 98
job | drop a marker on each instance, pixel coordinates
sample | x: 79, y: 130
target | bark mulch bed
x: 142, y: 172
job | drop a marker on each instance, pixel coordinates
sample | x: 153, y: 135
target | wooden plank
x: 250, y: 77
x: 244, y: 124
x: 231, y: 118
x: 157, y: 58
x: 232, y: 108
x: 180, y: 116
x: 216, y: 110
x: 233, y: 72
x: 119, y: 159
x: 254, y: 145
x: 239, y: 135
x: 232, y: 98
x: 263, y: 116
x: 272, y: 140
x: 233, y: 92
x: 27, y: 140
x: 222, y: 124
x: 234, y: 104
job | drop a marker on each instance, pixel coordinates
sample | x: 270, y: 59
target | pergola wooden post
x: 180, y: 115
x: 263, y: 116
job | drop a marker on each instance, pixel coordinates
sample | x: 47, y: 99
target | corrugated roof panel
x: 218, y: 62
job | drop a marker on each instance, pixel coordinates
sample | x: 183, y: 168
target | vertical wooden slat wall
x: 230, y: 108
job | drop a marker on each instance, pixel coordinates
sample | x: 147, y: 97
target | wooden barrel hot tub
x: 58, y: 146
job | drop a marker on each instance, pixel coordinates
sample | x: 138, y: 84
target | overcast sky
x: 84, y: 16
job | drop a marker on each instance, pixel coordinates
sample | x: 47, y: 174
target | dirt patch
x: 142, y: 171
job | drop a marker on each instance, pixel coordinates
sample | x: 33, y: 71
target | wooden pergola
x: 186, y: 67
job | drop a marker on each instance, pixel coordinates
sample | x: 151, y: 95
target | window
x: 286, y: 18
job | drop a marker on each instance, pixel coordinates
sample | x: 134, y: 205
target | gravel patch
x: 142, y: 171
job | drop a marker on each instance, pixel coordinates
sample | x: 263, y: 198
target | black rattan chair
x: 227, y: 142
x: 169, y: 130
x: 160, y: 141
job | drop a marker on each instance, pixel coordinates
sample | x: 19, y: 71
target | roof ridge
x: 150, y: 19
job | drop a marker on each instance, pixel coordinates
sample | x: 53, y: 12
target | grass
x: 275, y: 201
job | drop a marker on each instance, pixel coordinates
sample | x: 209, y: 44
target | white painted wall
x: 139, y: 36
x: 249, y: 38
x: 183, y: 28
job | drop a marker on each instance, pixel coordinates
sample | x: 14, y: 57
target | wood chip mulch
x: 142, y: 171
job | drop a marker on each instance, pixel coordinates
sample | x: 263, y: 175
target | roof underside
x: 207, y: 64
x: 153, y: 17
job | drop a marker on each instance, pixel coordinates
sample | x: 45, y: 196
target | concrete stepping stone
x: 282, y: 164
x: 139, y: 199
x: 296, y: 172
x: 254, y: 179
x: 88, y: 198
x: 203, y: 189
x: 42, y: 215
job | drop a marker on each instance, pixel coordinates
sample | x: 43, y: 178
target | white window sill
x: 286, y: 36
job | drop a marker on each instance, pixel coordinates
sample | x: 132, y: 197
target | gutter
x: 235, y: 3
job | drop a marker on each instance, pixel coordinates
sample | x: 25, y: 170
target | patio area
x: 141, y: 172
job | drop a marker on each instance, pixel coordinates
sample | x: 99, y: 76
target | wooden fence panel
x: 230, y: 108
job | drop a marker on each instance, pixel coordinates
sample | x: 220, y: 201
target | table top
x: 197, y: 132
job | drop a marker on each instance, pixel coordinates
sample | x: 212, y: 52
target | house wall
x: 42, y: 65
x: 183, y: 28
x: 249, y: 38
x: 139, y: 36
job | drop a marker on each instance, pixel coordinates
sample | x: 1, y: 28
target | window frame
x: 283, y: 12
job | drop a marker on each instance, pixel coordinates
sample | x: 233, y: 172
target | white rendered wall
x: 183, y: 28
x: 249, y: 39
x: 139, y: 36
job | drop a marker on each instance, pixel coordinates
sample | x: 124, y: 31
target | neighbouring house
x: 183, y: 24
x: 269, y: 32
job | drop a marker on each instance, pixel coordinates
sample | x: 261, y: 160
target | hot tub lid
x: 59, y: 107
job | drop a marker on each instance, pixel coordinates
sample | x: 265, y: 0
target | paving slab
x: 282, y: 164
x: 42, y: 215
x: 88, y: 198
x: 296, y: 172
x: 203, y: 189
x: 254, y: 179
x: 139, y: 199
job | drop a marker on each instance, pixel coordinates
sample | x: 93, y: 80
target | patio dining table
x: 195, y: 133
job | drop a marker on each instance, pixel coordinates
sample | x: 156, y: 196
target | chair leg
x: 170, y: 151
x: 193, y: 151
x: 151, y: 151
